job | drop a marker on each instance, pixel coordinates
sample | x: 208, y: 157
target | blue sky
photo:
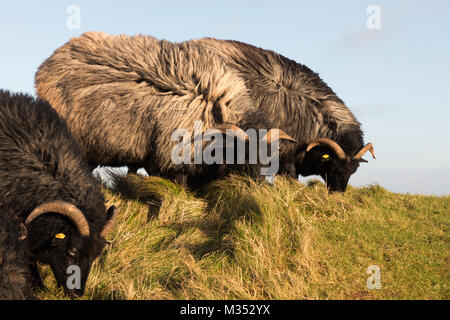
x: 395, y: 79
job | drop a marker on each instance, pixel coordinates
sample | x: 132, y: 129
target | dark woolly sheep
x: 46, y: 182
x: 123, y: 97
x: 294, y: 98
x: 15, y: 276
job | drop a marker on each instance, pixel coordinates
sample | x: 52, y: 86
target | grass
x: 245, y: 239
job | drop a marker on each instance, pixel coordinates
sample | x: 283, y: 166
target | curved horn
x: 330, y: 143
x: 110, y: 220
x: 367, y: 147
x: 281, y: 135
x: 239, y: 132
x: 66, y: 209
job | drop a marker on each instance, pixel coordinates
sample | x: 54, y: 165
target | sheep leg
x: 36, y: 279
x: 289, y: 168
x: 133, y: 169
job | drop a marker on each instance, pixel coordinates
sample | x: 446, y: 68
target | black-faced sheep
x: 295, y: 99
x: 46, y: 182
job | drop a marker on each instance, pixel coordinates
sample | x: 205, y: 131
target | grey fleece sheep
x: 122, y: 97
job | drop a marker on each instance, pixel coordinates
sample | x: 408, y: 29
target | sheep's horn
x: 239, y: 132
x: 281, y: 135
x: 110, y: 220
x: 66, y: 209
x: 367, y: 147
x: 333, y: 145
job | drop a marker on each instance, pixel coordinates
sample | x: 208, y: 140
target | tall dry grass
x: 246, y: 239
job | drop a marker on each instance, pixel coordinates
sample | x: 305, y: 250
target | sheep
x: 47, y: 183
x: 123, y: 97
x: 295, y: 99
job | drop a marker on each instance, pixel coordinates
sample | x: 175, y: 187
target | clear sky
x: 395, y: 79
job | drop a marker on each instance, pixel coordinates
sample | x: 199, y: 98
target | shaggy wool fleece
x: 123, y: 96
x: 292, y: 96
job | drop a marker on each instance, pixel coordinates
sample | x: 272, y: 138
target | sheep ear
x: 362, y: 160
x: 111, y: 216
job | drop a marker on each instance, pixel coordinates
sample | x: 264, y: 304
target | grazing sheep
x: 46, y: 182
x: 294, y: 98
x: 123, y: 97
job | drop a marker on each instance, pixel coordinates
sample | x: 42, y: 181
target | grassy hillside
x: 242, y: 239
